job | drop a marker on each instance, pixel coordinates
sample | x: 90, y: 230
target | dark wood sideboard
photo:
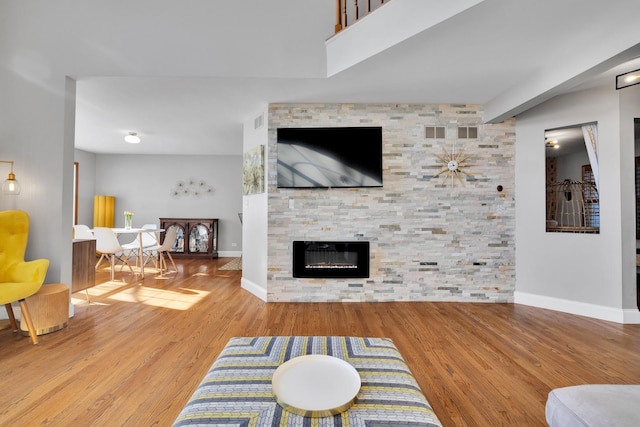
x: 197, y: 237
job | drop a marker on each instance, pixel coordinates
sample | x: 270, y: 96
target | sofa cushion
x: 594, y: 405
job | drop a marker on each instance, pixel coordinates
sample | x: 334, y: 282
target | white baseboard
x: 631, y: 316
x: 618, y: 315
x: 254, y: 289
x: 232, y: 254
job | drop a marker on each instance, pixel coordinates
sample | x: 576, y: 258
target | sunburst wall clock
x: 453, y: 166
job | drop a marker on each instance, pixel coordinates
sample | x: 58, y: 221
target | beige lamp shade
x: 103, y: 211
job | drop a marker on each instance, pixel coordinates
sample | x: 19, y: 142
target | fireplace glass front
x: 319, y: 259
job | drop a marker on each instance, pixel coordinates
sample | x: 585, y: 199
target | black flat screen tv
x: 329, y: 157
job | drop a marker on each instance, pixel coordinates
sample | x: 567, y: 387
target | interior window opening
x: 572, y: 179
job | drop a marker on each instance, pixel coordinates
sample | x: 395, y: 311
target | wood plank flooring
x: 136, y: 353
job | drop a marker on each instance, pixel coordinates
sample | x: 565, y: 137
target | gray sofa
x: 594, y: 405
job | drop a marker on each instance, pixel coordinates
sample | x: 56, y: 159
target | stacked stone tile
x: 429, y: 241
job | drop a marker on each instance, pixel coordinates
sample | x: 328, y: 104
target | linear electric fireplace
x: 330, y: 259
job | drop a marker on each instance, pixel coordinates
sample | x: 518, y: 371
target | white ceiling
x: 186, y: 75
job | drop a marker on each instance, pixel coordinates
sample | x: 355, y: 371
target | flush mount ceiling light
x: 627, y: 79
x: 132, y: 138
x: 552, y: 143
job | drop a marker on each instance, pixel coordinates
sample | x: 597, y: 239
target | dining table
x: 124, y: 230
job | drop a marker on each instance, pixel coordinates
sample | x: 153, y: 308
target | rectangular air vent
x: 258, y: 121
x: 467, y: 132
x: 434, y: 132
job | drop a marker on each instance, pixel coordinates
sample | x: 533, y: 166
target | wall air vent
x: 434, y: 132
x: 258, y: 121
x: 467, y: 132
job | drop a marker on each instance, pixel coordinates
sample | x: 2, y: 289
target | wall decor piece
x: 253, y: 171
x: 192, y: 187
x: 453, y: 165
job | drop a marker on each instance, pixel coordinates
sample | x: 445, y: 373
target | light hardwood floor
x: 136, y: 353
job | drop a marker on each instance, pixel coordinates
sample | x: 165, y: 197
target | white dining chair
x: 149, y: 239
x: 108, y: 246
x: 164, y: 249
x: 81, y: 231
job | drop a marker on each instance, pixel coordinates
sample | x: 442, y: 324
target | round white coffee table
x: 316, y: 385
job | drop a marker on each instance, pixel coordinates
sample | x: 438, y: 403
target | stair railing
x: 345, y: 17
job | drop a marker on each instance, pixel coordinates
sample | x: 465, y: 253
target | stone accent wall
x: 429, y: 241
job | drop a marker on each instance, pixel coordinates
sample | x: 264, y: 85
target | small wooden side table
x: 49, y: 309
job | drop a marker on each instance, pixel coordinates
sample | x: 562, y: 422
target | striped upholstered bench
x: 237, y: 389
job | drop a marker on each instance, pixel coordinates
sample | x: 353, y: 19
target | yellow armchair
x: 19, y: 279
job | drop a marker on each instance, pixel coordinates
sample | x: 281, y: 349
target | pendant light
x: 11, y: 186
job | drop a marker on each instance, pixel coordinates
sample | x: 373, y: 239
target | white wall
x: 143, y: 184
x: 570, y: 166
x: 629, y: 110
x: 255, y: 212
x: 36, y: 132
x: 109, y: 174
x: 576, y: 273
x: 34, y: 111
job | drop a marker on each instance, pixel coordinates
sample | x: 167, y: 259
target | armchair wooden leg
x: 12, y: 318
x: 27, y: 318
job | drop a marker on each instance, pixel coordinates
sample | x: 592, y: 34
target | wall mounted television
x: 329, y: 157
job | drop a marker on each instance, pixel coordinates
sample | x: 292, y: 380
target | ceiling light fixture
x: 11, y: 186
x: 552, y: 143
x: 627, y: 79
x: 132, y: 138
